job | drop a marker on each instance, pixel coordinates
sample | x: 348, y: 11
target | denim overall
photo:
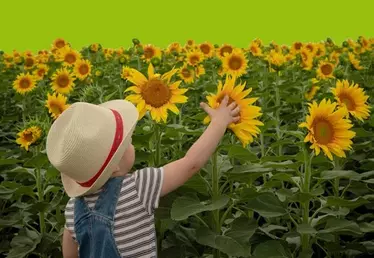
x: 94, y: 228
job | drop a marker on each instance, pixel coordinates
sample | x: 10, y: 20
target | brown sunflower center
x: 41, y: 72
x: 205, y: 48
x: 323, y: 131
x: 190, y: 42
x: 25, y: 83
x: 29, y: 62
x: 156, y: 93
x: 326, y: 69
x: 298, y: 45
x: 56, y: 108
x: 254, y: 49
x: 310, y: 47
x: 149, y: 52
x: 63, y: 80
x: 70, y: 58
x: 225, y: 49
x: 348, y: 101
x: 235, y: 63
x: 28, y: 136
x: 186, y: 73
x: 60, y: 43
x: 219, y: 100
x: 194, y: 59
x: 83, y: 69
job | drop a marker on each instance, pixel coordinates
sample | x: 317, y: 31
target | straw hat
x: 87, y: 141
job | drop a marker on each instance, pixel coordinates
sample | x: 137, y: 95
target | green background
x: 33, y: 25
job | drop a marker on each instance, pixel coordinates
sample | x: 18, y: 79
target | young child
x: 110, y: 212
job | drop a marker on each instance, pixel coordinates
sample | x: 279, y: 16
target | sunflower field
x: 294, y: 177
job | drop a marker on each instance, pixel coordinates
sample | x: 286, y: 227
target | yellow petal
x: 151, y: 71
x: 135, y: 89
x: 178, y: 99
x: 173, y: 108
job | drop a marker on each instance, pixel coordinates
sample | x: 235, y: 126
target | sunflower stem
x: 157, y: 157
x: 277, y: 114
x: 215, y: 195
x: 337, y: 166
x: 39, y: 187
x: 306, y: 188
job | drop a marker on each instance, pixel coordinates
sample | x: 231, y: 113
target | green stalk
x: 41, y: 199
x: 337, y: 166
x: 277, y: 114
x: 157, y: 158
x: 306, y: 188
x: 215, y: 195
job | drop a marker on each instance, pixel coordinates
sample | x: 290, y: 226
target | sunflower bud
x: 339, y: 74
x: 216, y: 46
x: 122, y: 60
x: 128, y: 51
x: 329, y: 40
x: 140, y: 50
x: 1, y: 52
x: 342, y: 60
x: 345, y: 44
x: 136, y: 42
x: 155, y: 61
x: 99, y: 73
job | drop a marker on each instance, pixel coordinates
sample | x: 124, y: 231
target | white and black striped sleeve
x: 148, y: 183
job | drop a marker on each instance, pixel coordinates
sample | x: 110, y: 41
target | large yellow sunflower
x: 224, y: 49
x: 28, y: 136
x: 207, y: 49
x: 276, y: 58
x: 320, y: 50
x: 325, y: 70
x: 24, y: 83
x: 59, y: 43
x: 328, y: 129
x: 155, y: 93
x: 296, y: 47
x: 353, y: 98
x: 334, y: 57
x: 247, y: 127
x: 199, y: 70
x: 235, y: 63
x: 255, y: 49
x: 82, y: 69
x: 29, y: 62
x: 186, y: 74
x: 174, y: 48
x: 151, y: 51
x: 56, y: 104
x: 354, y: 61
x: 62, y: 81
x: 40, y: 71
x: 194, y: 57
x: 68, y: 56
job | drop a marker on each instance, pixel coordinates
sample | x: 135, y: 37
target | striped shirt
x: 134, y: 229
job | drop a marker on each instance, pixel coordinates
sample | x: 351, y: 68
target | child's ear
x: 115, y: 168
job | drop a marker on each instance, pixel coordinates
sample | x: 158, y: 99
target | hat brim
x: 129, y: 116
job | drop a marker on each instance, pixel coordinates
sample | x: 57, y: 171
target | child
x: 110, y: 212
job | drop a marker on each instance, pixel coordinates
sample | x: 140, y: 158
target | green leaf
x: 185, y: 206
x: 267, y: 205
x: 341, y: 226
x: 4, y: 162
x: 238, y: 152
x: 332, y: 174
x: 22, y: 245
x: 271, y: 249
x: 282, y: 177
x: 247, y: 173
x: 352, y: 204
x: 225, y: 244
x: 306, y: 229
x: 367, y: 227
x: 298, y: 134
x: 242, y: 229
x: 37, y: 161
x: 282, y: 165
x: 198, y: 184
x: 361, y: 132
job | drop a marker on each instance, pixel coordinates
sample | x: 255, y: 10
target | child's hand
x: 225, y: 114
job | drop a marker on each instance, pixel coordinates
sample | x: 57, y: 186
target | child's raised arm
x: 178, y: 172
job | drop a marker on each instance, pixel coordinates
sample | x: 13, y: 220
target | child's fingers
x: 225, y: 101
x: 235, y: 111
x: 233, y: 105
x: 206, y: 108
x: 236, y: 119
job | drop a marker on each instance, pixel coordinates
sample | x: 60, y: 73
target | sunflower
x: 354, y: 61
x: 151, y: 51
x: 296, y: 47
x: 328, y: 129
x: 186, y: 74
x: 320, y: 50
x: 224, y: 49
x: 255, y: 49
x: 62, y: 81
x: 365, y: 43
x: 325, y: 70
x: 40, y: 71
x: 56, y: 104
x: 190, y: 44
x: 43, y: 57
x: 276, y: 58
x: 24, y: 83
x: 207, y: 49
x: 108, y: 53
x: 334, y: 57
x: 199, y: 70
x: 247, y: 127
x: 194, y: 57
x: 28, y: 136
x: 174, y: 48
x: 94, y: 47
x: 155, y: 93
x: 310, y: 95
x: 29, y: 62
x: 235, y: 63
x: 353, y: 98
x: 82, y: 69
x: 126, y: 72
x: 68, y: 56
x: 311, y: 48
x: 59, y: 43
